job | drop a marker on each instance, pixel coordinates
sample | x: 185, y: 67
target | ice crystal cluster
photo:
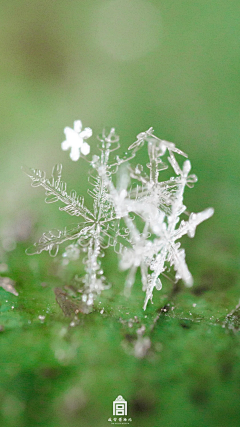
x: 133, y: 211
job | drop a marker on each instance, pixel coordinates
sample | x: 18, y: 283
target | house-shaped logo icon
x: 120, y: 406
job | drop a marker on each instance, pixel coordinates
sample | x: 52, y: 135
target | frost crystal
x: 136, y: 214
x: 75, y: 140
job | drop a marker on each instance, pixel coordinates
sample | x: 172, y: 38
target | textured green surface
x: 56, y: 374
x: 54, y: 70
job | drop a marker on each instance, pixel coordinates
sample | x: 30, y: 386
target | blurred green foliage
x: 171, y: 65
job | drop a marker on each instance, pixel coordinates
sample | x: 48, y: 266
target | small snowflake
x: 75, y: 140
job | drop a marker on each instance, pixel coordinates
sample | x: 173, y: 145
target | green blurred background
x: 131, y: 64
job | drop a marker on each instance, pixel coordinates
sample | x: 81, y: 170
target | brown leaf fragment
x: 68, y: 306
x: 8, y: 285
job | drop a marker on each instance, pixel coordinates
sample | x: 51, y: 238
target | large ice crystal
x: 136, y: 214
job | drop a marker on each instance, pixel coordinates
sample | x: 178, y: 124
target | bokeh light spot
x: 127, y: 29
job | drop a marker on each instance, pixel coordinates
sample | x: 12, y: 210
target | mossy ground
x: 55, y: 372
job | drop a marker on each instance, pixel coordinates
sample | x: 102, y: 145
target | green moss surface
x: 67, y: 370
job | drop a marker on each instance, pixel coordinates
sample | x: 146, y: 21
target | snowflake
x: 100, y: 227
x: 160, y: 205
x: 75, y: 140
x: 138, y: 216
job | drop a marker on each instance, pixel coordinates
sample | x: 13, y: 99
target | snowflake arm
x: 56, y: 190
x: 51, y: 240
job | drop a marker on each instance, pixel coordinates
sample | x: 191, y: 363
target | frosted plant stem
x: 153, y: 162
x: 154, y: 277
x: 92, y: 266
